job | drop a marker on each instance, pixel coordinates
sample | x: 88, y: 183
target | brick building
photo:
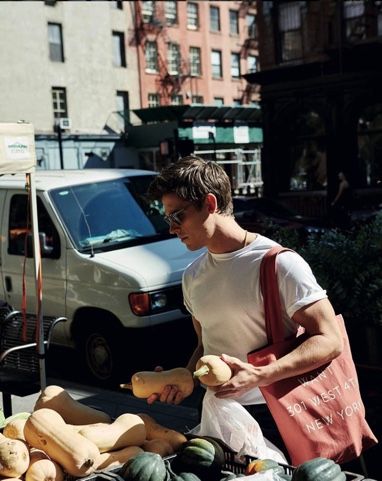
x: 321, y: 98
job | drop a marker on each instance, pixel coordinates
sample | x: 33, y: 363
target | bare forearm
x: 313, y: 353
x: 198, y: 352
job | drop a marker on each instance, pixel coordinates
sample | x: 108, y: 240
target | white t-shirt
x: 222, y: 291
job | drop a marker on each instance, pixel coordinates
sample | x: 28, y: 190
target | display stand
x: 18, y: 156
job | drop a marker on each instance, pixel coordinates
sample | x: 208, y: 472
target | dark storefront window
x: 370, y: 145
x: 308, y: 169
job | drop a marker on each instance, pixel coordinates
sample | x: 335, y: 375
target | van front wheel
x: 102, y: 352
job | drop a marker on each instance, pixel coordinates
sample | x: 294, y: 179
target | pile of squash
x: 63, y: 438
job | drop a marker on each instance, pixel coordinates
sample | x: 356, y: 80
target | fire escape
x: 150, y: 25
x: 249, y: 45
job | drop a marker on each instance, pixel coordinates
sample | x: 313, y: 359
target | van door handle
x: 8, y: 284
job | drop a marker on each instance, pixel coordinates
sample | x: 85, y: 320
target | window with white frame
x: 235, y: 65
x: 251, y: 25
x: 119, y: 56
x: 170, y: 12
x: 176, y: 99
x: 234, y: 22
x: 197, y: 99
x: 56, y: 47
x: 192, y: 15
x: 214, y: 19
x: 216, y: 64
x: 355, y: 20
x: 173, y: 56
x: 290, y: 27
x: 60, y: 106
x: 252, y: 63
x: 151, y: 56
x: 153, y: 100
x: 195, y: 62
x: 148, y: 10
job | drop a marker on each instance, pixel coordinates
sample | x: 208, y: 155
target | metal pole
x: 38, y: 279
x: 59, y: 137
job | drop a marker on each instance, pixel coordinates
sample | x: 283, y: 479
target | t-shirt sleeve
x: 186, y: 292
x: 297, y: 283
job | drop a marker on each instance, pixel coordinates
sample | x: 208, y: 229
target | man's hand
x: 169, y: 395
x: 244, y: 377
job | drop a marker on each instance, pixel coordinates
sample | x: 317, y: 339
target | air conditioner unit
x: 65, y: 123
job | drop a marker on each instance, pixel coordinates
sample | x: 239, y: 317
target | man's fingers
x: 151, y: 399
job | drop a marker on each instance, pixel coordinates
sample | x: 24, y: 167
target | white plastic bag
x: 228, y: 420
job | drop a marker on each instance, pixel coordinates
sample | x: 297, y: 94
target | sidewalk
x: 181, y: 418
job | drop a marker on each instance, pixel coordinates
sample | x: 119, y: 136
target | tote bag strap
x: 271, y: 296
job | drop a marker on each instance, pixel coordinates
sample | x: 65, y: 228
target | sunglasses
x: 176, y: 217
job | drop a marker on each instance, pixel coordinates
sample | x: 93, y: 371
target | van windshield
x: 109, y: 215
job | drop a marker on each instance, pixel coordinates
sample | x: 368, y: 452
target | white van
x: 109, y: 263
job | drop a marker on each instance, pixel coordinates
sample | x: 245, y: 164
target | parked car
x: 262, y: 215
x: 109, y: 263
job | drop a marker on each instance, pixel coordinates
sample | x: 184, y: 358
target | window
x: 173, y: 56
x: 176, y: 99
x: 251, y: 25
x: 192, y: 15
x: 148, y: 8
x: 214, y: 19
x: 122, y: 103
x: 290, y: 31
x: 151, y: 55
x: 235, y: 65
x: 60, y: 107
x: 119, y: 57
x: 233, y: 22
x: 354, y: 14
x: 56, y: 47
x: 197, y: 99
x: 218, y: 101
x: 19, y: 227
x: 216, y: 62
x: 153, y: 100
x: 252, y: 63
x: 118, y: 5
x: 170, y: 12
x: 195, y: 63
x: 236, y: 102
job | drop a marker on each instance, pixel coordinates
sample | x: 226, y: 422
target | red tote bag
x: 319, y: 413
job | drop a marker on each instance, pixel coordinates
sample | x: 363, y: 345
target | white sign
x: 241, y: 134
x: 17, y: 148
x: 203, y: 131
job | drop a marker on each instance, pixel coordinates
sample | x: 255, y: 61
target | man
x: 221, y: 289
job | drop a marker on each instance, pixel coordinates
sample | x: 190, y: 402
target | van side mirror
x: 46, y: 249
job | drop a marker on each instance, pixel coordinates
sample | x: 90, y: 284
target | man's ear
x: 211, y: 203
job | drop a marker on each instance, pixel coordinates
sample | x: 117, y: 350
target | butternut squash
x: 212, y: 370
x: 155, y: 430
x: 42, y: 468
x: 158, y: 446
x: 14, y: 429
x: 14, y: 457
x: 45, y: 429
x: 72, y: 411
x: 127, y: 430
x: 113, y: 459
x: 145, y: 383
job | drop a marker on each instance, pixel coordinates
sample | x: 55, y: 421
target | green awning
x: 200, y: 113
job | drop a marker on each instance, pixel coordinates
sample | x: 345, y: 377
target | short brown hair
x: 191, y: 178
